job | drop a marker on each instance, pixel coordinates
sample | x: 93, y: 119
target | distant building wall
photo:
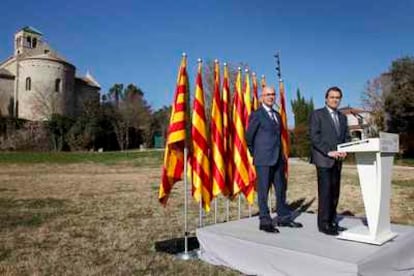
x: 40, y: 82
x: 83, y: 94
x: 6, y: 96
x: 45, y: 87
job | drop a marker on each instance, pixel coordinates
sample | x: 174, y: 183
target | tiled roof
x: 32, y: 30
x: 4, y: 73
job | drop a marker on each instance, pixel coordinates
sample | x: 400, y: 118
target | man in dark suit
x: 327, y: 128
x: 264, y: 143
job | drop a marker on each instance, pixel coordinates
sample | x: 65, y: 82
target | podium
x: 374, y: 159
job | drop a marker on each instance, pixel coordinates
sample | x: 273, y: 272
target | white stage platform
x: 304, y: 251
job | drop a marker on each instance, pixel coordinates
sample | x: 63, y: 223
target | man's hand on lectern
x: 337, y: 155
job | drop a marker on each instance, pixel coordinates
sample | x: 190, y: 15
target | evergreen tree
x: 301, y: 110
x: 399, y: 103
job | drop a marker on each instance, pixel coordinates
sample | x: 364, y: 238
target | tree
x: 92, y: 128
x: 301, y: 109
x: 159, y: 122
x: 373, y: 99
x: 46, y: 102
x: 399, y: 103
x: 58, y: 127
x: 208, y: 82
x: 130, y: 116
x: 115, y: 93
x: 301, y: 139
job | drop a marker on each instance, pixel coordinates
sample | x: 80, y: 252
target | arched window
x: 34, y: 42
x: 57, y: 85
x: 29, y: 41
x: 28, y: 84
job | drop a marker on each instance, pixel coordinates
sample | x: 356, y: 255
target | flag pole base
x: 190, y: 255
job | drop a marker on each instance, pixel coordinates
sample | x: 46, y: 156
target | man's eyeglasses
x: 269, y: 94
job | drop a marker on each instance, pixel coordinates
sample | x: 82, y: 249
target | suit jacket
x: 324, y: 137
x: 263, y: 138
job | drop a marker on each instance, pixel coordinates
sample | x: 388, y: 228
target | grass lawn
x: 98, y: 213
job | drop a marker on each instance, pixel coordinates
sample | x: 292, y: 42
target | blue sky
x: 322, y: 43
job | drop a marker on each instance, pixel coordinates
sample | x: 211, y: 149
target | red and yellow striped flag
x: 255, y: 96
x: 173, y: 167
x: 200, y: 165
x: 218, y: 168
x: 263, y: 81
x: 227, y: 125
x: 250, y: 188
x: 241, y: 163
x: 284, y: 128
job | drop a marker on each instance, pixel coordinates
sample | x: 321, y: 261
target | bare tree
x: 131, y: 113
x: 373, y: 99
x: 45, y: 101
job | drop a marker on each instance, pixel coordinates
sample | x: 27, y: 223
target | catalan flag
x: 227, y: 126
x: 255, y: 96
x: 200, y: 164
x: 218, y: 168
x: 241, y: 164
x: 250, y: 188
x: 263, y: 81
x: 173, y: 167
x: 284, y: 127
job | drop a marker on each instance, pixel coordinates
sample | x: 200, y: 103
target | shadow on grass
x: 7, y: 190
x: 29, y: 212
x: 176, y: 245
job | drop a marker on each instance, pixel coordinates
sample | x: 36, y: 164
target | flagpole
x: 199, y: 61
x: 215, y: 210
x: 239, y: 205
x: 250, y: 210
x: 186, y: 255
x: 185, y: 202
x: 227, y: 209
x: 200, y: 207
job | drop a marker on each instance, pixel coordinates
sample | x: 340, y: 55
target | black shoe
x: 328, y: 230
x: 289, y: 223
x: 338, y: 228
x: 268, y: 228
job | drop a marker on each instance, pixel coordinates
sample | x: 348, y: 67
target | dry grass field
x: 103, y: 218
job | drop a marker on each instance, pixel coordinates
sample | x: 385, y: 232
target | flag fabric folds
x: 241, y: 165
x: 284, y: 128
x: 263, y: 81
x: 200, y: 165
x: 227, y: 131
x: 255, y: 103
x: 173, y: 166
x: 250, y: 188
x: 218, y: 168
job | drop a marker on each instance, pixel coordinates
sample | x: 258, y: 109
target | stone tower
x: 28, y: 41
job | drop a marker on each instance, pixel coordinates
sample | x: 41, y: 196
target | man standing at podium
x: 327, y: 128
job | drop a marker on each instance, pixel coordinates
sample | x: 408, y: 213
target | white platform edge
x: 361, y: 234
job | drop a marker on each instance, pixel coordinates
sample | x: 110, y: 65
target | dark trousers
x: 266, y: 175
x: 329, y: 180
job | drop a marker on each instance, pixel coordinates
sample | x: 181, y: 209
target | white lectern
x: 374, y: 158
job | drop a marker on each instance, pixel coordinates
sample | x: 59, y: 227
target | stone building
x: 359, y: 122
x: 36, y: 81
